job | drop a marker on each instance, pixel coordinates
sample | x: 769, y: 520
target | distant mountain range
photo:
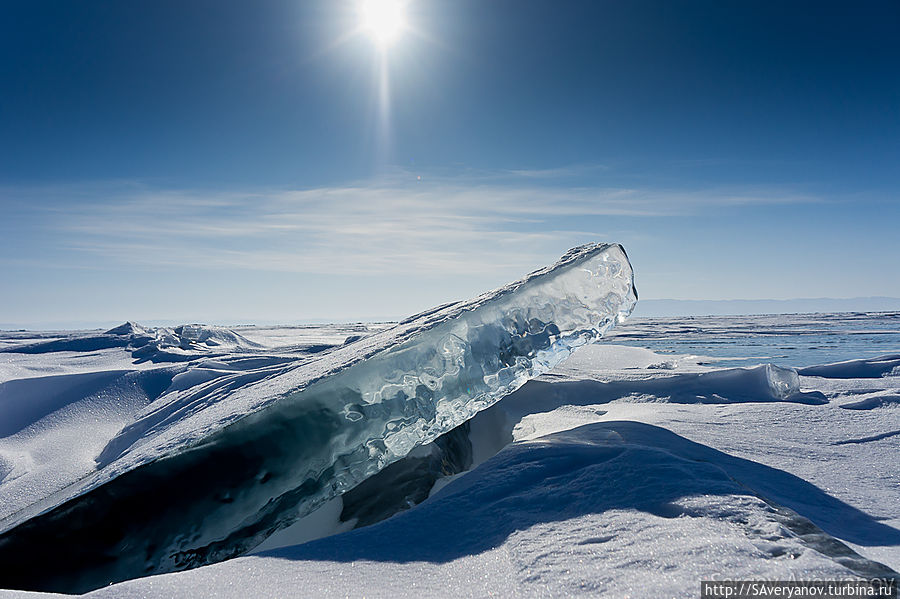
x: 671, y: 307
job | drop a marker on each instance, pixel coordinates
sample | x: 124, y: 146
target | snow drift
x: 162, y: 344
x: 227, y: 456
x: 869, y: 368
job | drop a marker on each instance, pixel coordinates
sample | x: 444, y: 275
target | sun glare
x: 383, y: 19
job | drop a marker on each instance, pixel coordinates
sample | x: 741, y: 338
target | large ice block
x: 209, y: 470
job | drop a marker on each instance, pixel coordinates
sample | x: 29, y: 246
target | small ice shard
x: 782, y: 382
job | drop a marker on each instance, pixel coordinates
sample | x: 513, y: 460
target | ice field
x: 673, y: 450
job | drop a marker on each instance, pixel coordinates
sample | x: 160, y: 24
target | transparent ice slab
x: 210, y: 470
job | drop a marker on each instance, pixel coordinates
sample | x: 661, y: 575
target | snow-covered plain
x: 622, y: 472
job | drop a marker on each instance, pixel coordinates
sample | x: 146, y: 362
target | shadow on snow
x: 592, y: 469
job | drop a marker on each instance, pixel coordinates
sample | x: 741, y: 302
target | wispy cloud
x: 576, y: 170
x: 397, y: 224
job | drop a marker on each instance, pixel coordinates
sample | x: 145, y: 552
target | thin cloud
x: 438, y: 225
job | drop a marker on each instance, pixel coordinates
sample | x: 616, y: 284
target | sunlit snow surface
x: 630, y: 473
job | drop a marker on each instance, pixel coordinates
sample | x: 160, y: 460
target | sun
x: 384, y: 20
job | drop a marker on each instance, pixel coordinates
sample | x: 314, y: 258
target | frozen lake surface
x: 788, y: 339
x: 676, y: 449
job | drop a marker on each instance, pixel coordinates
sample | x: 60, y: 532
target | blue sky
x: 265, y: 161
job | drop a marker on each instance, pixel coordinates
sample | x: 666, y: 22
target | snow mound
x: 767, y: 381
x: 162, y: 344
x: 763, y: 383
x: 185, y: 342
x: 225, y: 459
x: 130, y: 329
x: 888, y: 400
x: 56, y: 425
x: 869, y: 368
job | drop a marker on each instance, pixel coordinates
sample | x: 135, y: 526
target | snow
x: 858, y: 369
x: 621, y: 472
x: 52, y: 428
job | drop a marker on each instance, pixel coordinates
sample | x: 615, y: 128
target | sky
x: 272, y: 161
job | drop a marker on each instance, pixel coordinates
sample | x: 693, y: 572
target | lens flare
x: 383, y: 19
